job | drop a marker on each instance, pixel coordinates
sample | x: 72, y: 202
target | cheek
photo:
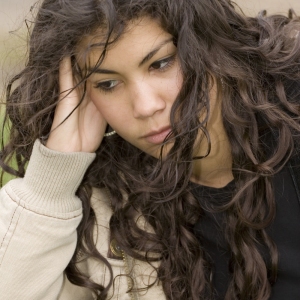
x: 112, y: 112
x: 100, y: 101
x: 175, y: 84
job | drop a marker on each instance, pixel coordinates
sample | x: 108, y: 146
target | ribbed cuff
x: 52, y: 179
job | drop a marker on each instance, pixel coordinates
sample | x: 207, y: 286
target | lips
x: 157, y: 136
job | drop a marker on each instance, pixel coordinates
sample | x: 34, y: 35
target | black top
x: 285, y: 232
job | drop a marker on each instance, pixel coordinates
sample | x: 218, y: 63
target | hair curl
x: 256, y: 60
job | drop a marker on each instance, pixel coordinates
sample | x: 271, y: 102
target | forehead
x: 138, y: 38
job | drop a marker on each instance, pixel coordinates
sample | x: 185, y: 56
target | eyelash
x: 168, y: 60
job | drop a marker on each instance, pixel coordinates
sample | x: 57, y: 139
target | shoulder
x: 141, y: 273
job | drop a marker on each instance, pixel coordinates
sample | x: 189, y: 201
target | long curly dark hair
x: 254, y: 61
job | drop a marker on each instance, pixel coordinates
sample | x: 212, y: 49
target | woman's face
x: 135, y: 86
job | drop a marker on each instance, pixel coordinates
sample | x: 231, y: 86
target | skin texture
x: 133, y: 92
x: 142, y: 94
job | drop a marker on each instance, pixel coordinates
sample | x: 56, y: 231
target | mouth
x: 157, y: 136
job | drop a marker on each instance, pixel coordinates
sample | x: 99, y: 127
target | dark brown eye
x: 160, y: 64
x: 163, y: 64
x: 107, y: 85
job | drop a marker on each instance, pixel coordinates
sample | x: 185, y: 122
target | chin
x: 157, y: 153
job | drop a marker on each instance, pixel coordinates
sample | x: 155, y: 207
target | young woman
x: 161, y: 146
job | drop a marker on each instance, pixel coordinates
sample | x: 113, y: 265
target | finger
x: 66, y: 82
x: 93, y: 126
x: 64, y: 124
x: 69, y: 98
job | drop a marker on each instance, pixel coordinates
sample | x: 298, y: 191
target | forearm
x: 39, y: 217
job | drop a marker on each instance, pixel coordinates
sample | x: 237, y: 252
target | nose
x: 147, y: 100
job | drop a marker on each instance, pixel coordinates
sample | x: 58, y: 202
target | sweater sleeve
x: 39, y: 215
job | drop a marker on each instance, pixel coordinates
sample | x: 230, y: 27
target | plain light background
x: 13, y: 28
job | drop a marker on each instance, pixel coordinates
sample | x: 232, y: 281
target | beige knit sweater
x: 39, y: 215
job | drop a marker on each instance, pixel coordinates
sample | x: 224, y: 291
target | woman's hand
x: 84, y: 129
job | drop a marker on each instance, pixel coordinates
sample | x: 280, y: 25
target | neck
x: 215, y: 170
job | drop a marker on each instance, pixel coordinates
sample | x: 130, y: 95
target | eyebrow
x: 142, y: 62
x: 154, y: 51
